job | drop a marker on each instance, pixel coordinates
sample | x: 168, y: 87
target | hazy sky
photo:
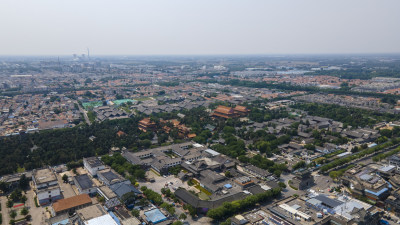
x: 131, y: 27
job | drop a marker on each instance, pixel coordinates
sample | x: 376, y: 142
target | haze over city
x: 189, y: 112
x: 180, y: 27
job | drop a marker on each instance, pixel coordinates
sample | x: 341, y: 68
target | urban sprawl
x: 200, y: 140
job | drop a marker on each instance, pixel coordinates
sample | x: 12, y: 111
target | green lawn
x: 203, y: 190
x: 200, y: 188
x: 203, y: 196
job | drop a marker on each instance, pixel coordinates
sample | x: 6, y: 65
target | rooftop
x: 155, y: 216
x: 44, y: 176
x: 94, y: 161
x: 345, y: 210
x: 110, y: 176
x: 121, y: 188
x: 68, y: 203
x: 91, y: 212
x: 84, y: 181
x: 107, y: 192
x: 102, y: 220
x: 212, y: 152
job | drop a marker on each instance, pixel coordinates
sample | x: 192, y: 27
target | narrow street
x: 37, y: 213
x: 4, y: 210
x: 84, y: 114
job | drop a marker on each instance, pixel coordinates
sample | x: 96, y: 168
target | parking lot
x: 323, y: 183
x: 66, y: 188
x: 161, y: 181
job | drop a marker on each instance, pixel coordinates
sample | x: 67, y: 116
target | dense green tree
x: 24, y: 211
x: 299, y: 165
x: 135, y: 213
x: 16, y: 195
x: 13, y: 214
x: 23, y: 182
x: 182, y: 216
x: 231, y: 208
x: 23, y: 199
x: 9, y: 203
x: 3, y: 186
x: 354, y: 117
x: 65, y: 178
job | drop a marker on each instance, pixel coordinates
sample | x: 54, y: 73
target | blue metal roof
x: 377, y: 193
x: 228, y: 186
x: 155, y: 216
x: 62, y: 222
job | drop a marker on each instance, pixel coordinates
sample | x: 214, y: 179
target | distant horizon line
x: 191, y: 55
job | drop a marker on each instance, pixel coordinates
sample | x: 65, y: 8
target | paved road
x: 323, y: 182
x: 4, y: 210
x: 37, y: 213
x: 365, y: 160
x: 84, y: 114
x: 288, y: 191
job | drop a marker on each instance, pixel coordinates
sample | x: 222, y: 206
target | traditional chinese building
x: 241, y: 110
x: 224, y: 112
x: 146, y: 125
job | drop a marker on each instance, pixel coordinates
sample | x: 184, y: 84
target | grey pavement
x: 37, y: 213
x: 4, y: 210
x: 66, y: 188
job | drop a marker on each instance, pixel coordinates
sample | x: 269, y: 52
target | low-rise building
x: 85, y: 184
x: 70, y: 205
x: 211, y: 180
x: 161, y: 165
x: 90, y: 212
x: 318, y: 209
x: 46, y: 186
x: 162, y: 158
x: 395, y: 161
x: 154, y: 216
x: 110, y: 177
x: 364, y: 181
x: 109, y: 113
x: 392, y: 203
x: 102, y: 220
x: 127, y: 193
x: 92, y: 165
x: 244, y: 181
x: 257, y: 172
